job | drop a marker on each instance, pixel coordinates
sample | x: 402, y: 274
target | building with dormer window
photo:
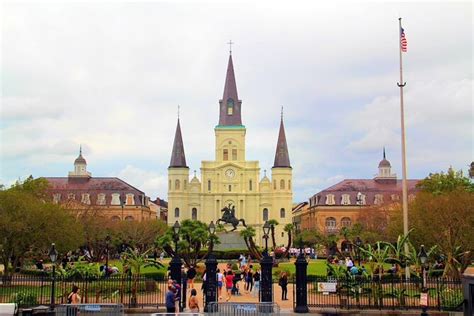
x: 231, y: 179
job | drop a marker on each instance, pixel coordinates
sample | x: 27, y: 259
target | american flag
x: 403, y: 41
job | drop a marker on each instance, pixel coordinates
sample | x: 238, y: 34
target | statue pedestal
x: 230, y: 240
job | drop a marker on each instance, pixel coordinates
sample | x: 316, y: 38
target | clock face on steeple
x: 230, y: 173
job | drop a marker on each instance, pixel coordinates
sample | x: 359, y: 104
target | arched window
x: 289, y: 184
x: 129, y: 218
x: 115, y: 219
x: 169, y: 185
x: 274, y: 184
x: 176, y: 212
x: 194, y: 214
x: 265, y: 214
x: 234, y: 154
x: 208, y: 185
x: 230, y: 188
x: 176, y: 184
x: 226, y: 154
x: 330, y: 223
x: 250, y: 185
x: 230, y: 106
x: 282, y: 213
x: 346, y: 222
x: 282, y: 184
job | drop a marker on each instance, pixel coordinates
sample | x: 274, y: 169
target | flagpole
x: 402, y: 84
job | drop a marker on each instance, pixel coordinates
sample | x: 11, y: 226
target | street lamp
x: 53, y: 255
x: 358, y: 243
x: 423, y: 259
x: 107, y: 242
x: 211, y: 269
x: 266, y: 231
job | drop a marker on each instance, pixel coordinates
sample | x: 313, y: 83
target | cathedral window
x: 378, y: 199
x: 226, y: 154
x: 274, y: 184
x: 208, y: 185
x: 265, y: 214
x: 194, y: 214
x: 176, y: 212
x: 115, y: 199
x: 250, y: 185
x: 234, y: 154
x: 184, y: 184
x: 289, y: 184
x: 282, y: 184
x: 330, y: 199
x: 345, y: 199
x: 230, y: 188
x: 176, y: 184
x: 230, y: 106
x: 282, y: 213
x: 130, y: 200
x: 169, y: 185
x: 56, y: 198
x: 85, y: 198
x: 346, y: 222
x: 101, y: 199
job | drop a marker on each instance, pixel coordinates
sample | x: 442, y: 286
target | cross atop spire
x: 230, y: 46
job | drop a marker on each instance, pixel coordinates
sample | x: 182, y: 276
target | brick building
x: 104, y: 196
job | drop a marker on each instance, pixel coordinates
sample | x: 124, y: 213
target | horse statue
x: 228, y: 217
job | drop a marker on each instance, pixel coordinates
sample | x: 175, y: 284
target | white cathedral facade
x: 230, y: 179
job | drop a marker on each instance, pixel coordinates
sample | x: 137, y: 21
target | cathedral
x: 230, y: 180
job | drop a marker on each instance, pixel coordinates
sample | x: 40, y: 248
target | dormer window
x: 395, y: 197
x: 330, y: 199
x: 85, y: 199
x: 101, y: 199
x: 56, y: 198
x: 360, y: 199
x: 71, y: 196
x: 130, y: 200
x: 115, y: 199
x: 230, y: 106
x: 378, y: 199
x: 346, y: 199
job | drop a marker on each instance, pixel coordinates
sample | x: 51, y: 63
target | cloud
x: 151, y: 182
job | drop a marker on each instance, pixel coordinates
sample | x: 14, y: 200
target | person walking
x: 229, y: 283
x: 73, y: 297
x: 193, y: 302
x: 220, y: 283
x: 283, y: 283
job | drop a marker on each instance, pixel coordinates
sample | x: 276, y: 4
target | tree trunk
x: 287, y: 251
x: 273, y: 237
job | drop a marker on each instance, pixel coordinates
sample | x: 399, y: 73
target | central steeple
x: 230, y: 105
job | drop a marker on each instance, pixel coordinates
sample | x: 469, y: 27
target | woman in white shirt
x: 220, y: 283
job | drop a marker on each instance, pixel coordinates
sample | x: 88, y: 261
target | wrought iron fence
x: 131, y: 290
x: 95, y: 309
x: 243, y: 309
x: 358, y: 292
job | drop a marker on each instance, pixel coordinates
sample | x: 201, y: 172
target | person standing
x: 171, y: 299
x: 193, y: 302
x: 256, y: 279
x: 283, y: 283
x: 229, y: 283
x: 249, y: 279
x: 191, y: 274
x: 73, y: 297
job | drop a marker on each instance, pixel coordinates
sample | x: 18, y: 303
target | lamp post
x: 175, y: 264
x: 423, y: 259
x: 358, y: 243
x: 301, y: 281
x: 53, y: 255
x: 107, y: 242
x: 266, y: 289
x: 211, y: 269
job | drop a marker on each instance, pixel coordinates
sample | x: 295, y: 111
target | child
x: 193, y: 302
x: 229, y: 282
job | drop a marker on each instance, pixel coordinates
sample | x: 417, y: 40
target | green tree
x: 29, y: 222
x: 248, y: 234
x: 195, y: 241
x: 439, y: 183
x: 289, y: 230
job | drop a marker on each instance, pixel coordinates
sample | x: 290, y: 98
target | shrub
x: 24, y: 299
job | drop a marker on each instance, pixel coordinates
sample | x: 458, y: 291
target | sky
x: 110, y: 76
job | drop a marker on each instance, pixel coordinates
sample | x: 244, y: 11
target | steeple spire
x: 384, y: 153
x: 230, y: 105
x: 282, y: 158
x: 178, y: 159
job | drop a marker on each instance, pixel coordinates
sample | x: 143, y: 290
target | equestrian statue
x: 229, y: 217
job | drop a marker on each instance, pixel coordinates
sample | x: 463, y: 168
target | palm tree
x: 397, y: 252
x: 248, y: 234
x: 273, y: 223
x: 288, y: 229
